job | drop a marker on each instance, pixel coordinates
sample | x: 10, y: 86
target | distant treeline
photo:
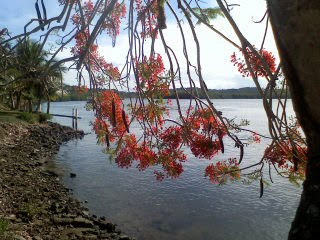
x: 71, y: 93
x: 240, y: 93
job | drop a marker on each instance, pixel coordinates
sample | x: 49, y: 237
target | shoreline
x: 34, y: 203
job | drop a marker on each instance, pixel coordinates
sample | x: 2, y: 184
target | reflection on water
x: 185, y: 208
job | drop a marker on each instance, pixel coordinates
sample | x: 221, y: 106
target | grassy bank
x: 23, y: 117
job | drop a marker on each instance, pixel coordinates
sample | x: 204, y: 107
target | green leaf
x: 207, y: 14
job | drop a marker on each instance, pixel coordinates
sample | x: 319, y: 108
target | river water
x: 189, y: 207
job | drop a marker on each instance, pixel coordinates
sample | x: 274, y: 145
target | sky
x: 218, y: 71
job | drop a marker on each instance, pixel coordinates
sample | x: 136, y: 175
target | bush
x: 28, y: 117
x: 43, y: 117
x: 4, y: 226
x: 34, y: 117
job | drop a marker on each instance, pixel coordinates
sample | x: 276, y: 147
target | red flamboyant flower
x: 111, y: 24
x: 111, y: 114
x: 172, y: 137
x: 152, y: 112
x: 128, y: 152
x: 148, y: 13
x: 256, y: 138
x: 255, y: 63
x: 285, y: 157
x: 203, y: 146
x: 97, y: 63
x: 200, y: 128
x: 168, y: 156
x: 223, y: 171
x: 151, y: 76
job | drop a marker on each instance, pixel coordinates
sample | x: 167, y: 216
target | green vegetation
x: 207, y: 14
x: 241, y: 93
x: 43, y: 117
x: 12, y: 117
x: 4, y: 228
x: 27, y: 117
x: 30, y: 210
x: 71, y: 93
x: 26, y: 76
x: 22, y: 117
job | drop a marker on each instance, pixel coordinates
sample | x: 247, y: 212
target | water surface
x: 189, y: 207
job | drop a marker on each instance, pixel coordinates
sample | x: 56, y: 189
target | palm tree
x: 32, y: 76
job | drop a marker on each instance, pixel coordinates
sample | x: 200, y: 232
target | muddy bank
x: 33, y: 202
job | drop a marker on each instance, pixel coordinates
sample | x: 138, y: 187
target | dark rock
x: 18, y: 238
x: 50, y: 173
x: 103, y: 225
x: 36, y: 238
x: 82, y: 222
x: 124, y: 237
x: 62, y: 221
x: 73, y: 175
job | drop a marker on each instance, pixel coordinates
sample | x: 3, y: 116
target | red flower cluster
x: 203, y: 146
x: 285, y: 157
x: 172, y: 137
x: 256, y: 138
x: 201, y: 127
x: 87, y: 10
x: 151, y: 112
x: 151, y: 73
x: 148, y: 14
x: 255, y: 63
x: 98, y: 64
x: 111, y: 24
x: 81, y: 44
x: 128, y: 153
x: 111, y: 114
x: 169, y: 157
x: 223, y: 171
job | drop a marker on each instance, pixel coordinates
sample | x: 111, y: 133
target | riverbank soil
x: 34, y: 204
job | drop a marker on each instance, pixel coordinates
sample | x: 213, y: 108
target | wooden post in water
x: 72, y: 117
x: 76, y: 119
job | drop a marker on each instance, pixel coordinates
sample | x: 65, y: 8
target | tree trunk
x: 30, y: 105
x: 61, y: 80
x: 296, y: 26
x: 11, y: 101
x: 18, y: 101
x: 38, y: 105
x: 48, y: 106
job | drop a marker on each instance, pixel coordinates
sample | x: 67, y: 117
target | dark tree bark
x: 30, y: 105
x: 48, y: 105
x: 18, y: 101
x: 11, y: 101
x: 38, y: 105
x: 296, y: 26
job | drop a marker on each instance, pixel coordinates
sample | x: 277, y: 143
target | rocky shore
x: 34, y: 204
